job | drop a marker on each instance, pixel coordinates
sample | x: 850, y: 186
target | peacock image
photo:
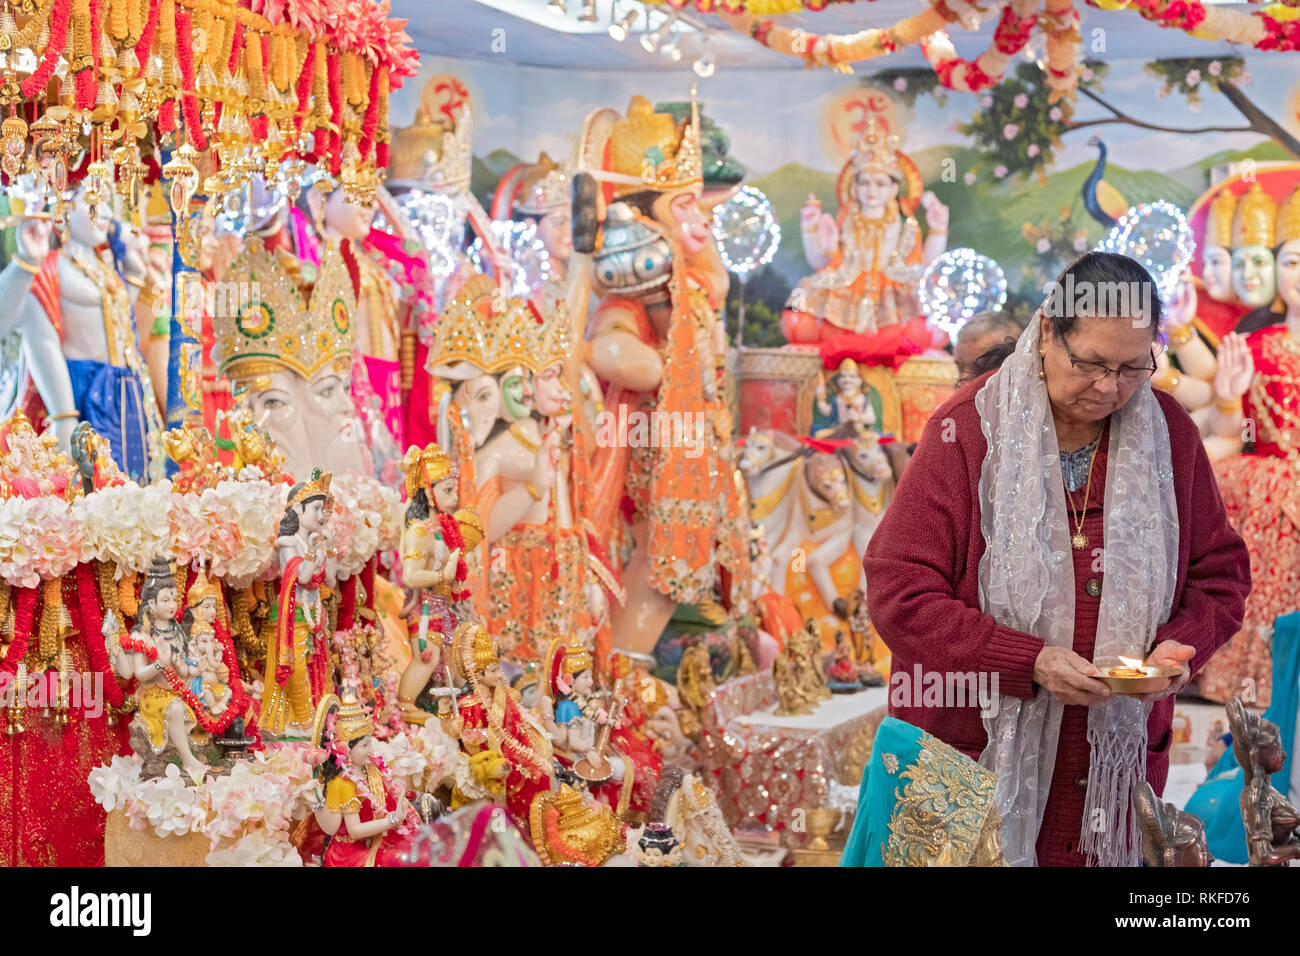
x: 1102, y: 200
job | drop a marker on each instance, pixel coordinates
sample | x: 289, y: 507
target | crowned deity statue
x: 1256, y: 385
x: 1254, y: 267
x: 284, y: 338
x: 493, y: 718
x: 75, y: 315
x: 156, y: 654
x: 297, y: 661
x: 867, y: 260
x: 532, y: 202
x: 1217, y: 305
x: 437, y: 535
x: 341, y: 219
x: 364, y: 813
x: 659, y: 348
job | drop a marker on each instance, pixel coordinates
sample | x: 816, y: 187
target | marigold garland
x: 35, y: 83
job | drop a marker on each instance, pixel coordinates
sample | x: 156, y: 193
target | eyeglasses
x: 1096, y: 372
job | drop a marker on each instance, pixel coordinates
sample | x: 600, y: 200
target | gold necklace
x: 1079, y: 540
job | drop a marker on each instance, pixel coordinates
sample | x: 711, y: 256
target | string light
x: 746, y: 231
x: 959, y: 285
x: 1157, y: 235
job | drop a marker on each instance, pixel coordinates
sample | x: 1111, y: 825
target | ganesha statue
x: 869, y: 258
x: 286, y: 347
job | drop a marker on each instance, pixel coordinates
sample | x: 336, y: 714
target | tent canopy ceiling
x: 524, y: 32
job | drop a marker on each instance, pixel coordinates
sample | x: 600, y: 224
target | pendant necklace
x: 1079, y: 540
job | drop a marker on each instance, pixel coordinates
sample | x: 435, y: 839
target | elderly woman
x: 1058, y: 514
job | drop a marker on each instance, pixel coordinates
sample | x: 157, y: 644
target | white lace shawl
x: 1026, y: 582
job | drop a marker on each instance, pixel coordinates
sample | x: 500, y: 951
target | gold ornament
x: 1256, y: 220
x: 650, y: 147
x: 1288, y: 219
x: 1218, y: 222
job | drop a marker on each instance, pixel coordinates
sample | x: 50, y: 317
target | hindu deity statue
x: 210, y: 680
x: 534, y: 200
x: 869, y: 259
x: 852, y: 404
x: 340, y: 217
x: 209, y: 250
x: 1257, y: 383
x: 286, y: 345
x: 1217, y: 305
x: 297, y: 662
x: 1272, y: 824
x: 658, y: 347
x: 155, y: 654
x: 75, y: 316
x: 1254, y: 268
x: 435, y: 540
x: 369, y: 820
x: 493, y: 718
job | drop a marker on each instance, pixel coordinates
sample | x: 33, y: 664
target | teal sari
x: 922, y: 803
x: 1218, y: 801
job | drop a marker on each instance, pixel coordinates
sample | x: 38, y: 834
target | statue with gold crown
x: 436, y: 537
x: 867, y: 260
x: 429, y: 179
x: 1257, y: 385
x: 532, y: 207
x: 284, y: 339
x: 591, y: 733
x: 493, y: 718
x: 341, y: 211
x: 368, y: 819
x: 76, y: 318
x: 659, y: 348
x: 297, y: 661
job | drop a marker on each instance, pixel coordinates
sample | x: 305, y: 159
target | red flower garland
x: 1280, y: 36
x: 24, y: 626
x: 370, y: 123
x: 130, y: 644
x: 236, y: 49
x: 35, y: 83
x: 145, y: 44
x: 305, y: 79
x: 333, y: 67
x: 88, y: 79
x: 189, y: 101
x: 1012, y: 32
x: 85, y: 594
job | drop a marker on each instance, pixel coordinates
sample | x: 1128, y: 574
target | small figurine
x: 1272, y: 824
x: 1170, y: 837
x: 792, y: 697
x: 694, y: 686
x: 813, y: 679
x: 435, y: 540
x: 657, y: 846
x: 296, y: 661
x: 841, y: 670
x: 211, y: 683
x: 155, y: 654
x: 851, y: 405
x: 852, y: 609
x: 369, y: 821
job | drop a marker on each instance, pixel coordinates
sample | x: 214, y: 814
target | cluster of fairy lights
x: 959, y: 285
x: 530, y: 263
x: 746, y: 231
x: 1157, y: 235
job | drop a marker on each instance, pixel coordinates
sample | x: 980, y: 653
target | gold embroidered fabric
x: 944, y: 814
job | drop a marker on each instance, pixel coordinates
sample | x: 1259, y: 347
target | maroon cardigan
x: 922, y: 570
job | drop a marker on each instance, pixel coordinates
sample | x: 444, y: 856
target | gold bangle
x: 25, y: 265
x: 537, y: 495
x: 54, y: 418
x: 1181, y: 335
x: 1228, y: 406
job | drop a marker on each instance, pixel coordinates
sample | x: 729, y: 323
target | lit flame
x: 1135, y: 663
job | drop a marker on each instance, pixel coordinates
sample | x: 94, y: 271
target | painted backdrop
x: 1025, y: 179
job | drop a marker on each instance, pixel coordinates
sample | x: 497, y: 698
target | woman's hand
x: 1236, y: 366
x: 1171, y: 654
x: 1070, y: 678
